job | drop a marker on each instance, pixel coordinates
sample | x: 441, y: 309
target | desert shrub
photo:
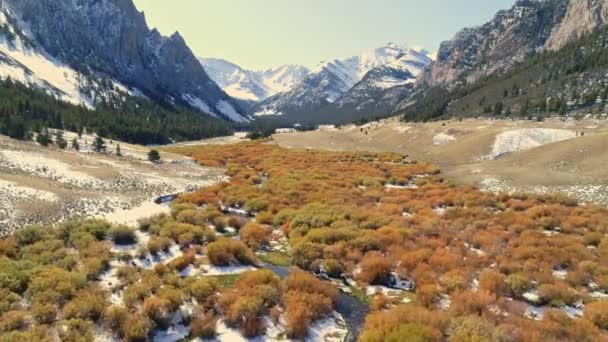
x: 180, y: 263
x: 557, y: 294
x: 157, y: 244
x: 157, y: 309
x: 13, y: 320
x: 403, y: 323
x: 87, y: 304
x: 204, y: 325
x: 123, y: 235
x: 256, y: 205
x: 7, y: 299
x: 115, y: 316
x: 473, y: 328
x: 249, y: 300
x: 264, y: 217
x: 225, y: 252
x: 469, y: 302
x: 454, y: 280
x: 492, y: 281
x: 34, y: 333
x: 76, y: 330
x: 428, y: 295
x: 305, y: 299
x: 44, y: 313
x: 129, y: 274
x: 517, y: 284
x: 333, y: 268
x: 305, y: 254
x: 8, y: 247
x: 203, y: 288
x: 56, y: 283
x: 597, y: 312
x: 178, y: 208
x: 136, y: 327
x: 255, y: 235
x: 375, y: 269
x: 30, y: 235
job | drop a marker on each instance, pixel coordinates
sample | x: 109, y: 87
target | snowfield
x: 442, y: 139
x: 527, y: 138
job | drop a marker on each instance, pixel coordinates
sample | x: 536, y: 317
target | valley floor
x: 564, y: 156
x: 46, y: 185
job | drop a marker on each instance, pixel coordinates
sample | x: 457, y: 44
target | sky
x: 259, y: 34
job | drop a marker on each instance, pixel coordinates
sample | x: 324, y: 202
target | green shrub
x: 13, y: 320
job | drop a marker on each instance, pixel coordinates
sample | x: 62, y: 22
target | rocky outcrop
x: 111, y: 37
x: 582, y: 17
x: 506, y: 40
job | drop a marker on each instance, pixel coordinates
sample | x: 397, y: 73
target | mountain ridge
x: 111, y: 38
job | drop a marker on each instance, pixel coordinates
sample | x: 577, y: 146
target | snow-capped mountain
x: 346, y: 81
x: 252, y: 85
x: 66, y: 46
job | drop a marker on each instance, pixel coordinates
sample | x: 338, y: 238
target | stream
x: 352, y: 309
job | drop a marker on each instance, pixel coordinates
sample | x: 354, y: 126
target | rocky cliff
x: 112, y: 37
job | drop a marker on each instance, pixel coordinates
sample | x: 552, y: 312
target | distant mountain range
x: 253, y: 85
x: 295, y: 94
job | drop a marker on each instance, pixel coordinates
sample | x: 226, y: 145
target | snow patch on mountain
x: 357, y: 80
x: 21, y: 62
x: 252, y: 85
x: 228, y: 110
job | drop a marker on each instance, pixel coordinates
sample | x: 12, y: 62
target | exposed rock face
x: 582, y: 17
x: 112, y: 37
x: 497, y: 45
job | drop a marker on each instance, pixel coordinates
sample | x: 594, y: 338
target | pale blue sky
x: 266, y: 33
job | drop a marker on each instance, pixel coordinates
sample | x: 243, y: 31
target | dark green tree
x: 154, y: 156
x: 99, y: 145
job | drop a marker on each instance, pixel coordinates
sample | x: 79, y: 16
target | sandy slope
x: 496, y: 155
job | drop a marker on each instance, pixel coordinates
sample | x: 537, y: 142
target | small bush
x: 136, y: 328
x: 76, y: 330
x: 375, y: 269
x: 87, y: 304
x: 13, y: 320
x: 115, y: 316
x: 597, y: 312
x: 225, y: 252
x: 44, y: 313
x: 204, y: 325
x: 203, y: 288
x: 255, y: 235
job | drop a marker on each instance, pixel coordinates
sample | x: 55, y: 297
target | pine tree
x: 99, y: 145
x: 154, y: 156
x: 75, y: 144
x: 118, y: 153
x: 60, y: 141
x: 44, y: 138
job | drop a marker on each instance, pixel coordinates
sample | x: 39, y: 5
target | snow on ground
x: 330, y: 329
x: 130, y: 216
x: 211, y: 270
x: 39, y: 165
x: 402, y: 129
x: 586, y: 193
x: 442, y: 139
x: 11, y: 192
x: 527, y: 138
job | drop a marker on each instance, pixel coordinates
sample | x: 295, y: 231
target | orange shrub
x: 225, y: 252
x: 255, y: 235
x: 375, y: 268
